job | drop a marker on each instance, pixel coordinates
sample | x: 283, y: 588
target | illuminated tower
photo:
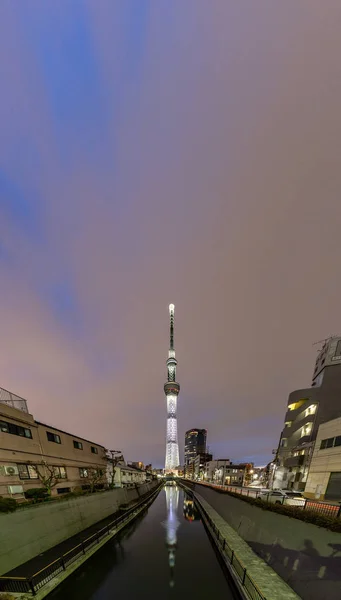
x: 172, y: 389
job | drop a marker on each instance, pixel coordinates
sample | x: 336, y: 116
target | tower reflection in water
x: 171, y: 524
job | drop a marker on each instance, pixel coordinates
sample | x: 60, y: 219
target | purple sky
x: 156, y: 152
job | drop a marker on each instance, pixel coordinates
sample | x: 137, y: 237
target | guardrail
x: 36, y: 581
x: 229, y: 556
x: 323, y: 508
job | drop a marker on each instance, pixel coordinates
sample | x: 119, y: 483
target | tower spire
x: 171, y: 327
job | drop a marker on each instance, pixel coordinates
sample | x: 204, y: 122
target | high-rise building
x: 307, y: 409
x: 195, y: 443
x: 171, y: 389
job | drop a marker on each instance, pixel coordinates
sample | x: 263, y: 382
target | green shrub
x: 7, y: 505
x: 36, y: 494
x: 6, y: 596
x: 308, y: 516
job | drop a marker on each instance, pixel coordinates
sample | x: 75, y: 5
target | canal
x: 165, y: 553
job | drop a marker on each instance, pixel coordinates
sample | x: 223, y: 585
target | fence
x: 38, y: 580
x: 229, y: 556
x: 323, y: 508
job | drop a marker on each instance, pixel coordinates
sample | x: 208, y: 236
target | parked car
x: 273, y: 496
x: 283, y: 497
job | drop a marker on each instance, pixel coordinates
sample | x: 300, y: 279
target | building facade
x: 324, y: 477
x: 195, y: 443
x: 31, y: 451
x: 307, y: 409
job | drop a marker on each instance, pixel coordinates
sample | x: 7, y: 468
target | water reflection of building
x: 172, y: 523
x: 190, y: 512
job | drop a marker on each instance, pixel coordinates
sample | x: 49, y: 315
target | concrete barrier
x: 307, y: 557
x: 27, y: 533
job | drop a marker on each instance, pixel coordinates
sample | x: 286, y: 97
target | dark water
x: 165, y: 554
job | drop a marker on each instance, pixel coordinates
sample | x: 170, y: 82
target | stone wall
x: 31, y: 531
x: 307, y: 557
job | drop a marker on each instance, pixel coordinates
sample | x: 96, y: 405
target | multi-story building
x: 324, y: 477
x: 31, y: 451
x: 307, y: 409
x: 195, y: 443
x: 214, y: 469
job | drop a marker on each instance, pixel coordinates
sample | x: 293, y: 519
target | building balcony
x: 303, y: 440
x: 294, y: 461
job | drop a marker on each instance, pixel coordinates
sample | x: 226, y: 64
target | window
x: 15, y: 429
x: 53, y: 437
x: 338, y: 349
x: 27, y: 472
x: 83, y: 472
x: 337, y: 441
x: 327, y: 443
x: 283, y: 442
x: 60, y: 472
x: 63, y: 490
x: 310, y: 410
x: 77, y: 445
x: 94, y: 450
x: 288, y: 423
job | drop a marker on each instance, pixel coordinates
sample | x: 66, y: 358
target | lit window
x: 60, y: 472
x: 27, y: 472
x: 83, y: 472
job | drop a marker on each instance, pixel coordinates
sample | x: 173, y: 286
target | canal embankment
x: 32, y: 532
x: 305, y: 556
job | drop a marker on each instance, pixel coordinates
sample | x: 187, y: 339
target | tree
x: 94, y: 477
x: 47, y: 475
x: 115, y: 458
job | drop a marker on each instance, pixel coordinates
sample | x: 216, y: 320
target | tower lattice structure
x: 172, y: 389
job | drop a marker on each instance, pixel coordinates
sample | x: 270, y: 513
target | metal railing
x: 229, y: 556
x: 323, y: 508
x: 38, y: 580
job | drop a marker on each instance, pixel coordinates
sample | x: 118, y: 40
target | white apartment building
x: 324, y: 477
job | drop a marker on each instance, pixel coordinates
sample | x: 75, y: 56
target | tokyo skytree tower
x: 172, y: 389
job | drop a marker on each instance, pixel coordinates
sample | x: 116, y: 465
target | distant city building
x: 307, y: 409
x: 195, y: 443
x: 213, y: 466
x: 137, y: 465
x: 30, y: 449
x: 324, y: 477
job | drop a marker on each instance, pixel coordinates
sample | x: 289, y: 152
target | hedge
x: 7, y: 505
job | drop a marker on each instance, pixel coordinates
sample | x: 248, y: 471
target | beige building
x: 30, y: 450
x: 324, y: 477
x: 125, y: 475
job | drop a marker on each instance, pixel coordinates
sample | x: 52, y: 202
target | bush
x: 308, y: 516
x: 7, y: 505
x: 6, y: 596
x: 36, y: 494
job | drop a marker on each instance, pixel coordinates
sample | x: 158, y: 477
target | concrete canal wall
x: 31, y: 531
x: 307, y: 557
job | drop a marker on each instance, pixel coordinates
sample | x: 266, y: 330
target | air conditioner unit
x: 15, y: 489
x: 11, y: 470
